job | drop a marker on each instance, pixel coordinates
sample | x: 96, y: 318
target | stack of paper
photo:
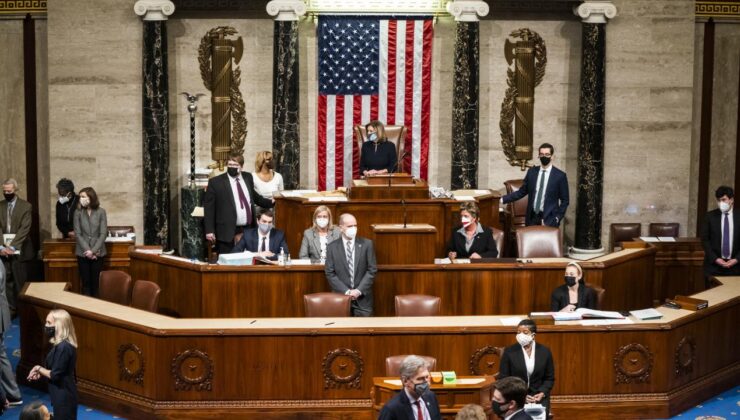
x: 644, y: 314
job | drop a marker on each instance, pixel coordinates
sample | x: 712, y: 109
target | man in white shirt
x: 508, y: 398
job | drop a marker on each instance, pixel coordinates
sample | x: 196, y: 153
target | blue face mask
x: 372, y: 136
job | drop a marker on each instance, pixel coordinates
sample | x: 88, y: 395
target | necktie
x: 351, y: 265
x: 540, y: 192
x: 10, y: 214
x: 726, y: 238
x: 243, y: 201
x: 419, y: 413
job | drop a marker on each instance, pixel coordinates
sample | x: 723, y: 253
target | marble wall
x: 12, y: 123
x: 47, y: 224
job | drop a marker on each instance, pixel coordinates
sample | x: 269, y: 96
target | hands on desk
x: 211, y: 237
x: 569, y: 308
x: 266, y: 254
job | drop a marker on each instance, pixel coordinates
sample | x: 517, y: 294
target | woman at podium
x: 317, y: 237
x: 472, y: 240
x: 378, y: 155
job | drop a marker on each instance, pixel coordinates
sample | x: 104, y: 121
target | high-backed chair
x: 664, y: 229
x: 498, y: 237
x: 115, y: 286
x: 396, y: 134
x: 145, y: 295
x: 327, y: 305
x: 517, y: 209
x: 539, y: 242
x: 623, y: 232
x: 417, y: 305
x: 600, y: 292
x: 393, y: 364
x: 120, y: 230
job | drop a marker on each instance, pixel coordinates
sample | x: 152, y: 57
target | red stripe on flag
x: 408, y: 117
x: 322, y: 143
x: 426, y: 88
x: 356, y: 120
x: 391, y: 86
x: 374, y: 107
x: 339, y: 142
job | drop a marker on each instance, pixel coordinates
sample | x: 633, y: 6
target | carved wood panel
x: 342, y: 367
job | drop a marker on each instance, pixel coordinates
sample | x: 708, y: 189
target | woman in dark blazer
x: 472, y: 240
x: 91, y: 229
x: 531, y: 362
x: 378, y: 155
x: 573, y: 294
x: 317, y: 237
x: 60, y: 365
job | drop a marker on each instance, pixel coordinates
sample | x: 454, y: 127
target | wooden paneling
x: 679, y: 267
x: 60, y: 262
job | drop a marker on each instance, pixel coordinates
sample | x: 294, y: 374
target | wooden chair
x: 145, y: 295
x: 327, y: 305
x: 539, y: 242
x: 393, y: 364
x: 498, y: 237
x: 517, y: 211
x: 600, y: 292
x: 115, y: 286
x: 417, y: 305
x: 664, y: 229
x: 396, y: 134
x: 623, y: 232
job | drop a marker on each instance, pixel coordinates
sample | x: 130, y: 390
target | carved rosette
x: 685, y: 356
x: 342, y: 367
x: 485, y: 360
x: 131, y: 363
x: 192, y: 370
x: 633, y: 363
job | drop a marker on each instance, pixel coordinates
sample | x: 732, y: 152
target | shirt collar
x: 478, y: 229
x: 513, y: 414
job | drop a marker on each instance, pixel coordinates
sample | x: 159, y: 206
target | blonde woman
x: 318, y: 236
x: 266, y: 180
x: 378, y: 155
x: 60, y: 364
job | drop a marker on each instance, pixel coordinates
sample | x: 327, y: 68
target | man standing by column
x: 15, y: 222
x: 721, y: 236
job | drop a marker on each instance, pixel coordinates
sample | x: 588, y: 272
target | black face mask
x: 233, y: 172
x: 50, y: 331
x: 545, y: 160
x: 570, y: 281
x: 496, y: 406
x: 9, y: 197
x: 268, y: 164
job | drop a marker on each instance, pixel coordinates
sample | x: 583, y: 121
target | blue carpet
x: 724, y: 406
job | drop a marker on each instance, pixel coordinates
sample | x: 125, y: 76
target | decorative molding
x: 480, y: 355
x: 684, y: 356
x: 20, y: 8
x: 154, y: 10
x: 286, y: 9
x: 633, y: 363
x: 717, y: 9
x: 131, y: 363
x: 192, y: 369
x: 595, y: 11
x: 468, y: 10
x: 342, y: 367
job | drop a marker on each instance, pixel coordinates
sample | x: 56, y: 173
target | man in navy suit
x: 720, y: 237
x: 265, y: 240
x: 547, y: 189
x: 415, y: 401
x: 508, y: 398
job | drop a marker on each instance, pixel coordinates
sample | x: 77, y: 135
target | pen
x: 328, y: 323
x: 252, y: 322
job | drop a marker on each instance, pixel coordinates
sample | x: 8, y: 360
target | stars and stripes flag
x: 372, y: 69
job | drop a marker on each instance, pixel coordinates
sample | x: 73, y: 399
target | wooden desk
x: 143, y: 365
x: 378, y: 187
x: 214, y: 291
x: 451, y: 398
x: 60, y: 261
x: 392, y: 238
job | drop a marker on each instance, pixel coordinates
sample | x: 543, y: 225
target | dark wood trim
x: 29, y: 90
x: 737, y: 137
x: 705, y: 131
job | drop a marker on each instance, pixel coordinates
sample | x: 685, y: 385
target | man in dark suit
x: 547, y: 189
x: 15, y: 219
x: 229, y: 205
x: 720, y: 238
x: 264, y: 240
x: 415, y: 401
x: 508, y: 399
x: 8, y: 385
x: 65, y: 208
x: 350, y: 266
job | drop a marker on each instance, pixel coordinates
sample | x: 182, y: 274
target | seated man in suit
x: 415, y: 397
x: 508, y: 398
x: 547, y: 188
x: 350, y: 266
x: 720, y: 238
x: 265, y: 240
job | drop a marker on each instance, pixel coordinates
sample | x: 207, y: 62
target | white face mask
x: 63, y: 199
x: 724, y: 207
x: 524, y: 339
x: 351, y: 232
x: 322, y: 222
x: 465, y: 221
x: 84, y: 201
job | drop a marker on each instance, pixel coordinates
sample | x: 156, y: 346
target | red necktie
x: 419, y: 413
x: 243, y: 201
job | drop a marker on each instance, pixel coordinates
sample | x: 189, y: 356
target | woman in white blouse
x: 318, y: 236
x: 266, y: 180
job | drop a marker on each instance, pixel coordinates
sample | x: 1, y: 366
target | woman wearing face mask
x: 378, y: 155
x: 266, y: 180
x: 317, y: 237
x: 530, y: 362
x: 60, y: 365
x: 91, y: 229
x: 573, y: 294
x: 472, y: 240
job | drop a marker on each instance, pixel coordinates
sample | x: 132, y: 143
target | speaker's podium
x: 389, y: 186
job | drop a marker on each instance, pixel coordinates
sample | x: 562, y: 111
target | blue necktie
x: 726, y: 238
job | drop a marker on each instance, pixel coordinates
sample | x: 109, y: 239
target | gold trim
x: 221, y: 99
x: 525, y: 149
x: 524, y: 100
x: 21, y: 8
x: 728, y: 9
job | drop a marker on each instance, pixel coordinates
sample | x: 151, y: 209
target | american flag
x: 372, y: 69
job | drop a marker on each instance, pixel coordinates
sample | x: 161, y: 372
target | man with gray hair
x: 415, y: 401
x: 15, y: 223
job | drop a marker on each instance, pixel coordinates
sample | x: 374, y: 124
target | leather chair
x: 396, y: 134
x: 539, y: 242
x: 115, y: 286
x: 517, y: 209
x: 145, y: 295
x: 327, y: 305
x: 120, y: 230
x: 600, y: 292
x: 664, y: 229
x: 623, y: 232
x: 498, y: 237
x: 417, y: 305
x: 393, y: 364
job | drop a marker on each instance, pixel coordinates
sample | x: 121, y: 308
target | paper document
x: 645, y: 314
x: 592, y: 313
x: 469, y: 381
x: 319, y: 199
x: 183, y: 259
x: 464, y: 198
x: 566, y: 316
x: 155, y: 251
x: 593, y: 322
x: 396, y: 382
x: 649, y: 239
x: 304, y: 261
x: 666, y: 239
x: 442, y: 261
x: 461, y: 261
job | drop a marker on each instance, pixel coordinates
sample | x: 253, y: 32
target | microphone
x: 403, y: 155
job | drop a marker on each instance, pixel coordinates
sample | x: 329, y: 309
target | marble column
x: 591, y: 117
x: 465, y: 99
x: 155, y: 120
x: 285, y: 128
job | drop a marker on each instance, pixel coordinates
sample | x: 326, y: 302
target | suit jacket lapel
x: 316, y: 239
x: 226, y: 184
x: 407, y: 405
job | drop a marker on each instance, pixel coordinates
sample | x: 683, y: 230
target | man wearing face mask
x: 65, y: 208
x: 415, y: 397
x: 350, y: 266
x: 265, y: 240
x: 720, y: 237
x: 229, y: 205
x: 547, y: 189
x: 15, y: 219
x: 509, y: 396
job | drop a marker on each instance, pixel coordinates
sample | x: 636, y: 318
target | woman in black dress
x: 60, y: 365
x: 378, y: 155
x: 472, y: 240
x: 573, y: 294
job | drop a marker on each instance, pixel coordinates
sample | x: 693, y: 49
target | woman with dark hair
x: 65, y: 208
x: 472, y: 240
x: 573, y: 294
x: 531, y: 362
x: 378, y: 155
x: 91, y: 229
